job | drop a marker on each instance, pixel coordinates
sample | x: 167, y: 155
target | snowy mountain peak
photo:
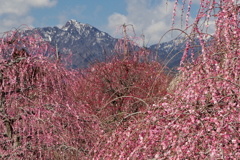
x: 73, y: 20
x: 88, y: 44
x: 73, y: 24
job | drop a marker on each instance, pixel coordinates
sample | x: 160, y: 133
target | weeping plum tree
x: 39, y: 117
x: 199, y: 118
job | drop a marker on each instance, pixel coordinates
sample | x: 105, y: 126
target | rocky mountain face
x: 171, y: 52
x: 88, y: 44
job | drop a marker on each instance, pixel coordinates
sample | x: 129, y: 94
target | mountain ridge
x: 89, y: 45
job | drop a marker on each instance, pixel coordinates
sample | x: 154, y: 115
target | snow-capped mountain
x: 86, y: 42
x: 171, y: 52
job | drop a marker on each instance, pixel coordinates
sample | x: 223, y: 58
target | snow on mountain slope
x: 88, y: 44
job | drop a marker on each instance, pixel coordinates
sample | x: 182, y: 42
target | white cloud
x: 20, y: 7
x: 116, y: 20
x: 152, y: 20
x: 41, y: 3
x: 13, y: 13
x: 14, y: 21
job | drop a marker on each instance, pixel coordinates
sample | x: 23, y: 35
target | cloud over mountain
x: 150, y: 18
x: 13, y: 13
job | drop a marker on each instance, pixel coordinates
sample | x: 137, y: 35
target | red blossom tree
x: 128, y: 84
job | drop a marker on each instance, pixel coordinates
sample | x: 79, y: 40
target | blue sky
x: 149, y: 17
